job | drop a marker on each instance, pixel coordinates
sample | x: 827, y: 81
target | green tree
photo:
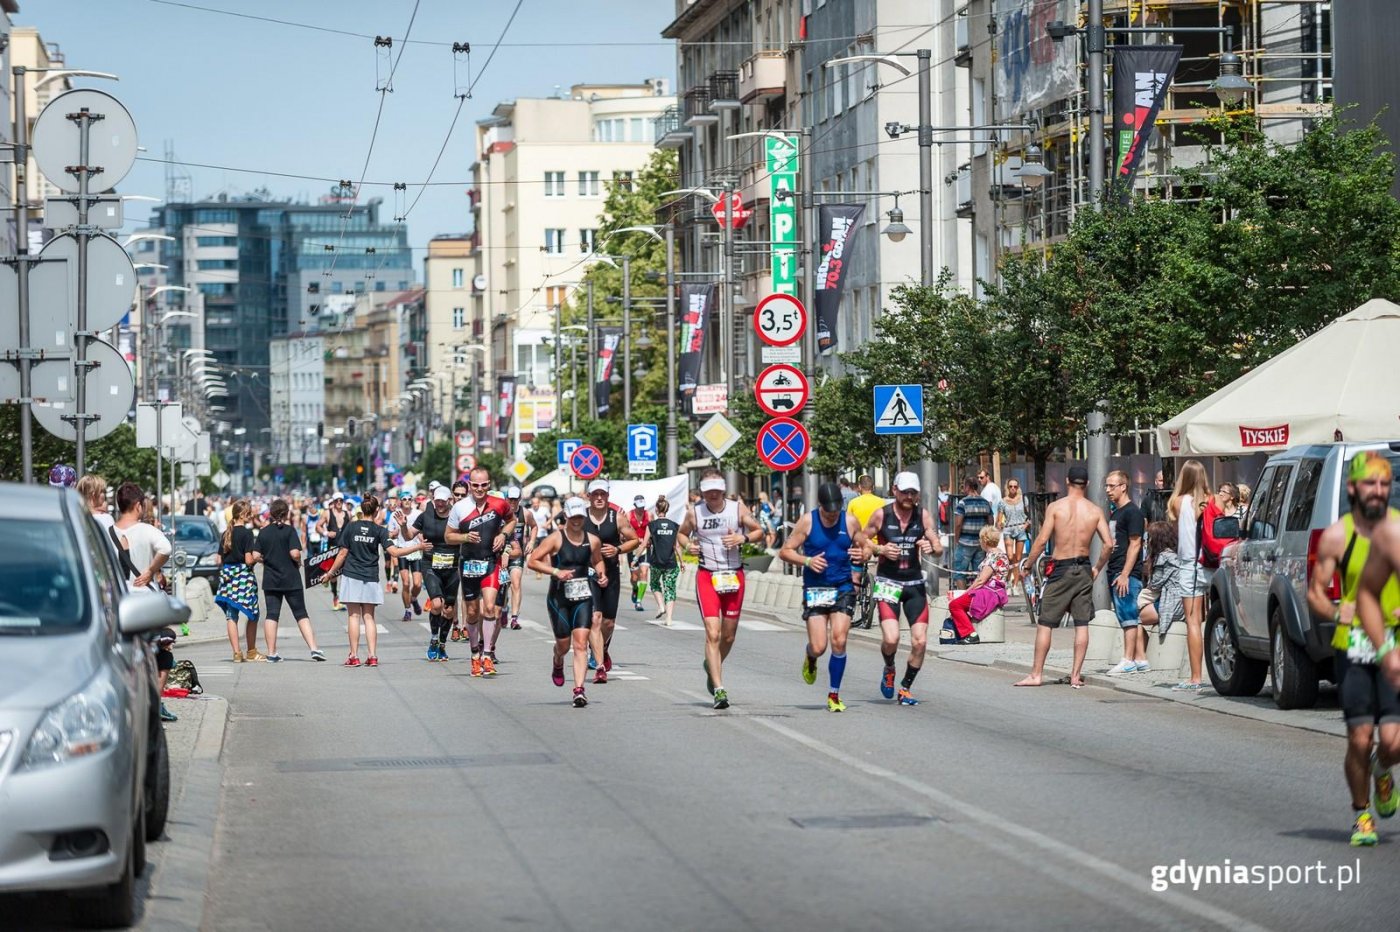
x: 115, y: 457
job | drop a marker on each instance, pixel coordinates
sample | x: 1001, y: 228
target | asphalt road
x: 415, y: 796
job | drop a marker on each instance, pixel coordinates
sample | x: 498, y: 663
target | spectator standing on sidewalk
x: 1125, y: 570
x: 148, y: 547
x: 989, y: 489
x: 93, y: 491
x: 660, y: 544
x: 238, y: 587
x: 1013, y: 521
x: 970, y: 515
x: 1187, y: 508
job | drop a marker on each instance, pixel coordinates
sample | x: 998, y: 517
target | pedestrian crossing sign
x: 899, y: 409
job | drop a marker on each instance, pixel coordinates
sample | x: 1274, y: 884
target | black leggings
x: 915, y: 602
x: 296, y: 601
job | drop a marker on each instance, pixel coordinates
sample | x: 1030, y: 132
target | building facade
x: 297, y: 376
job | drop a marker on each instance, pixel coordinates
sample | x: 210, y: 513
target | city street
x: 415, y: 796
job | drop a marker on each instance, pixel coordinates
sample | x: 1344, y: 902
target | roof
x: 18, y: 500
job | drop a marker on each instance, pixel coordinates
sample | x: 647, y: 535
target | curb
x: 180, y: 876
x: 1207, y: 703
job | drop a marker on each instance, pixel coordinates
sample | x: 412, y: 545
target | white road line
x: 760, y: 626
x: 378, y: 627
x: 677, y: 625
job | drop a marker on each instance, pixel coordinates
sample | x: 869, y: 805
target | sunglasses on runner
x: 481, y: 485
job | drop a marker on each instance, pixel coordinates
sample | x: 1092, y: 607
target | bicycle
x: 864, y: 615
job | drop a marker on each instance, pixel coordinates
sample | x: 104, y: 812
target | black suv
x: 1258, y: 624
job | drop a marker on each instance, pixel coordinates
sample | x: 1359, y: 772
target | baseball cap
x: 829, y: 496
x: 597, y: 485
x: 712, y: 484
x: 639, y: 502
x: 575, y: 508
x: 513, y: 492
x: 906, y: 482
x: 442, y: 494
x: 1078, y: 475
x: 338, y: 497
x: 432, y: 486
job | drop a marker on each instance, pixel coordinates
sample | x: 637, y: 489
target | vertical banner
x: 485, y: 436
x: 505, y: 406
x: 781, y: 152
x: 696, y: 300
x: 1141, y: 76
x: 608, y: 339
x: 836, y: 224
x: 1032, y: 69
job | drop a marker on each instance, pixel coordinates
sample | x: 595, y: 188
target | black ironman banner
x: 696, y: 302
x: 608, y: 339
x: 1141, y: 76
x: 837, y: 224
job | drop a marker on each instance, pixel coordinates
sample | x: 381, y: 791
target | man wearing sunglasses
x: 481, y: 524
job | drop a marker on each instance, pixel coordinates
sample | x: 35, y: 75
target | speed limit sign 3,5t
x: 779, y: 320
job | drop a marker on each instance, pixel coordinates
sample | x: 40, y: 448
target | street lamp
x: 896, y: 230
x: 1231, y: 86
x: 1032, y: 172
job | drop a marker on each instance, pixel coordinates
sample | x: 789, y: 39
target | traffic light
x: 359, y: 466
x: 321, y: 429
x: 350, y: 426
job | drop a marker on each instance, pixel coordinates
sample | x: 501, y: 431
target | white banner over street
x: 1032, y: 70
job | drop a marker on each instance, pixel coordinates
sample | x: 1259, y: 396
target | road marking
x: 692, y: 626
x: 619, y: 673
x: 677, y: 625
x: 377, y: 627
x: 761, y: 626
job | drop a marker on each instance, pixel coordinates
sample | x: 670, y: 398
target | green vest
x: 1353, y: 562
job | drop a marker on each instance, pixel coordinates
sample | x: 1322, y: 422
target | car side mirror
x: 1226, y: 527
x: 144, y: 610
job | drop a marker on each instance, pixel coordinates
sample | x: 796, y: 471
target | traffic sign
x: 466, y: 440
x: 643, y: 445
x: 737, y: 210
x: 899, y: 409
x: 220, y: 479
x: 779, y: 320
x: 781, y: 390
x: 520, y: 470
x: 564, y: 449
x: 586, y: 461
x: 717, y: 435
x: 783, y: 444
x: 465, y: 461
x: 772, y: 354
x: 710, y: 399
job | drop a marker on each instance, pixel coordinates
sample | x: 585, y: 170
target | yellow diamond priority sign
x: 520, y: 470
x: 717, y: 435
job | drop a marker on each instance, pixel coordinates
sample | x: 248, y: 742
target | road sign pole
x: 673, y: 462
x: 80, y: 336
x: 21, y: 204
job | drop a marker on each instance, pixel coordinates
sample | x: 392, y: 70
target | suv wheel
x: 1293, y: 671
x: 157, y: 785
x: 1231, y: 672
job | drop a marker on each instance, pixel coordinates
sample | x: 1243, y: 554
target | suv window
x: 1345, y: 500
x: 1260, y: 506
x: 1300, y: 509
x: 1265, y: 526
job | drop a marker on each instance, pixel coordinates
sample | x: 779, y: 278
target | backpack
x: 184, y: 676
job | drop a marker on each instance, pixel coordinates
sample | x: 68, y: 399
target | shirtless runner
x: 1072, y: 522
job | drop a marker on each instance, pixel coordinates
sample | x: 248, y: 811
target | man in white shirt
x: 990, y: 490
x: 146, y: 545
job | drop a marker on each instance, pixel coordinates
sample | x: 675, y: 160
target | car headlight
x: 209, y: 559
x: 83, y: 724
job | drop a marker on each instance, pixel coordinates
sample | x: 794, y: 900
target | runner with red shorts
x: 715, y: 528
x: 481, y: 524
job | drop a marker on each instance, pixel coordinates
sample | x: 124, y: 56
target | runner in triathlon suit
x: 459, y: 633
x: 515, y: 559
x: 715, y: 528
x: 481, y: 523
x: 637, y: 559
x: 908, y: 533
x: 823, y: 544
x: 616, y: 538
x: 443, y: 575
x: 541, y: 520
x: 401, y: 521
x: 1370, y: 706
x: 567, y: 555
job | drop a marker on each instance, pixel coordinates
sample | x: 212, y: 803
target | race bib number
x: 888, y: 590
x: 725, y: 582
x: 1359, y: 646
x: 444, y: 561
x: 475, y: 569
x: 821, y: 598
x: 577, y: 589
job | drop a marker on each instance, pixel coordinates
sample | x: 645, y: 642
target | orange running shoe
x: 476, y: 666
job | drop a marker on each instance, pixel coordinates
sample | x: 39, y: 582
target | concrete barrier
x: 1105, y: 638
x: 759, y: 584
x: 795, y: 593
x: 990, y: 630
x: 1168, y: 653
x: 200, y: 599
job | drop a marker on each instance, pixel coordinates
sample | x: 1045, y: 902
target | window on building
x: 459, y: 355
x: 555, y: 296
x: 459, y: 318
x: 588, y: 184
x: 216, y: 241
x: 554, y: 241
x: 457, y: 278
x: 553, y: 184
x: 637, y: 129
x: 209, y: 265
x: 622, y: 180
x: 587, y: 239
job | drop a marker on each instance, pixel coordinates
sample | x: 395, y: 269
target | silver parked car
x: 84, y: 778
x: 1258, y: 624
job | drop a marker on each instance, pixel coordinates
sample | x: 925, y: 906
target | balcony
x: 724, y: 90
x: 670, y: 134
x: 696, y: 107
x: 763, y: 77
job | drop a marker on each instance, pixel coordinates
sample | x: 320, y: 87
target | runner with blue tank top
x: 823, y: 544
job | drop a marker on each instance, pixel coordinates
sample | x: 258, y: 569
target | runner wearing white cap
x: 616, y: 538
x: 515, y: 554
x: 715, y: 528
x: 639, y: 518
x: 907, y: 533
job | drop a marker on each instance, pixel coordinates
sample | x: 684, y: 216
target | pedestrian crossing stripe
x: 691, y: 626
x: 899, y: 414
x: 378, y: 627
x: 677, y: 625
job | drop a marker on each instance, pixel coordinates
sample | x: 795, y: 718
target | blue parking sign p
x: 564, y: 450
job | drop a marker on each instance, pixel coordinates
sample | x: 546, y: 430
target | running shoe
x: 970, y: 639
x: 255, y: 656
x: 476, y: 666
x: 637, y: 606
x: 1363, y: 831
x: 834, y: 703
x: 580, y: 699
x: 721, y: 699
x: 1143, y: 666
x: 809, y: 669
x: 607, y: 659
x: 488, y: 666
x: 237, y: 657
x: 352, y: 661
x: 417, y: 607
x: 905, y: 698
x: 592, y: 661
x: 456, y: 634
x: 373, y: 661
x: 319, y: 656
x: 601, y: 676
x: 433, y: 649
x: 442, y: 652
x: 556, y: 675
x: 335, y: 605
x: 887, y: 683
x: 166, y: 715
x: 1122, y: 667
x: 515, y: 622
x: 1387, y: 800
x: 274, y: 658
x: 407, y: 615
x: 709, y: 682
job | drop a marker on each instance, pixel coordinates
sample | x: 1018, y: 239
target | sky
x: 240, y: 93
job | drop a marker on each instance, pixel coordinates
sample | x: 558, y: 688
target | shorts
x: 1194, y: 581
x: 845, y: 605
x: 1125, y: 607
x: 663, y: 580
x: 364, y: 592
x: 473, y: 586
x: 443, y: 584
x: 914, y: 601
x: 1366, y: 696
x: 1147, y: 596
x: 411, y: 565
x: 296, y: 601
x: 714, y: 604
x: 607, y: 597
x: 566, y: 617
x: 1070, y: 589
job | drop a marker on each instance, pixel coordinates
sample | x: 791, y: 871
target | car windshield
x: 1394, y: 458
x: 195, y: 529
x: 41, y: 587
